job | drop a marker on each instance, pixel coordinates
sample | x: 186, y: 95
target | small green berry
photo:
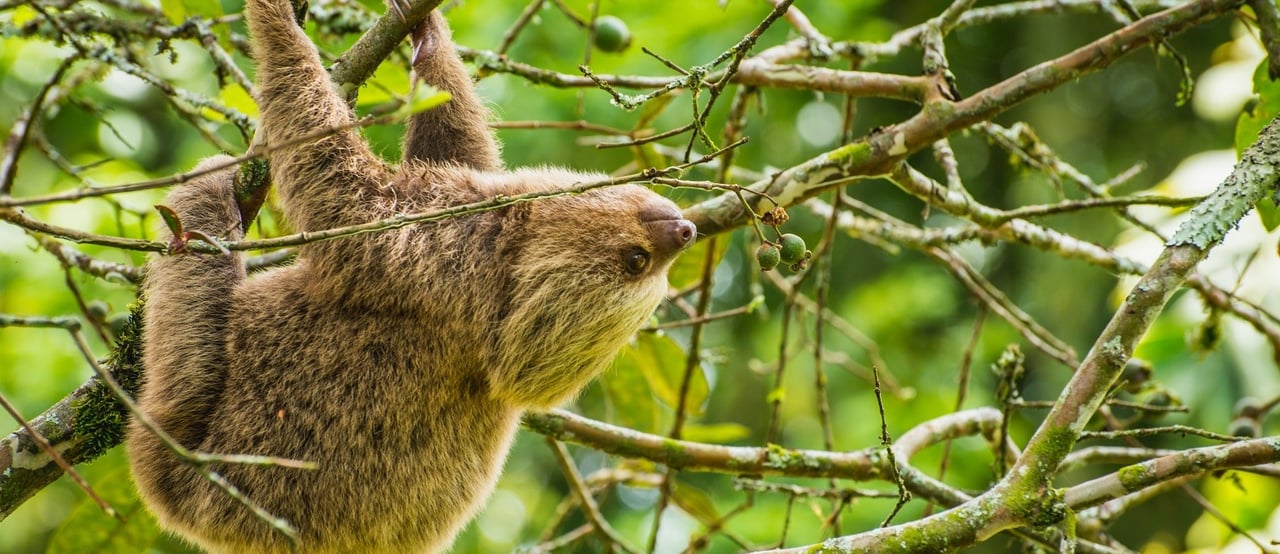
x: 1136, y: 374
x: 1245, y: 427
x: 793, y: 248
x: 97, y: 309
x: 1248, y: 407
x: 612, y: 34
x: 768, y: 256
x: 1161, y: 399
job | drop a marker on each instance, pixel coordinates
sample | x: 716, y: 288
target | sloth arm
x: 457, y: 131
x: 188, y: 308
x: 323, y: 170
x: 188, y: 305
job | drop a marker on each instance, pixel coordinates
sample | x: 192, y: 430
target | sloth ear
x: 456, y: 132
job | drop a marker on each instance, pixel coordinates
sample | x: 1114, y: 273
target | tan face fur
x: 622, y: 240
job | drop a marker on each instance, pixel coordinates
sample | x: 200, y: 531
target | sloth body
x: 399, y: 361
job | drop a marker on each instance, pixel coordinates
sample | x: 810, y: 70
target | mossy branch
x: 82, y: 426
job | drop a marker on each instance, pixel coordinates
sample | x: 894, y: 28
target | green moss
x: 1032, y: 498
x: 1133, y: 477
x: 854, y: 154
x: 251, y: 186
x: 99, y: 418
x: 544, y: 424
x: 779, y: 457
x: 943, y: 111
x: 794, y: 462
x: 50, y: 426
x: 1057, y: 443
x: 1050, y: 510
x: 676, y: 454
x: 1070, y: 533
x: 933, y: 538
x: 253, y: 176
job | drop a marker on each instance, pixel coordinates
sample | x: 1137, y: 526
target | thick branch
x: 1193, y: 462
x: 860, y: 465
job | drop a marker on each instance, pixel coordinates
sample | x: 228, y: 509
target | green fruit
x: 1137, y: 372
x: 768, y: 256
x: 1245, y: 427
x: 1248, y: 407
x: 612, y: 34
x: 1161, y: 399
x: 793, y: 248
x: 97, y: 309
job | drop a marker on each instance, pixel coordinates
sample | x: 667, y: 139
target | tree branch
x: 1026, y: 496
x: 880, y: 153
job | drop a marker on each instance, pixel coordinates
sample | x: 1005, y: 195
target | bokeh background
x: 919, y: 318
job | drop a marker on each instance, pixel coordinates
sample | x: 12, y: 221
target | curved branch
x: 858, y: 465
x: 1197, y: 461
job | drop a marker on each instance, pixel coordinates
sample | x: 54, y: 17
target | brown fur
x: 399, y: 361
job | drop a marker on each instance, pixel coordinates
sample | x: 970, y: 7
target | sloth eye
x: 637, y: 261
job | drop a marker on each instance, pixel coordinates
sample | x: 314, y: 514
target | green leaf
x: 174, y: 10
x: 237, y: 98
x: 687, y: 269
x: 1269, y: 212
x: 386, y: 85
x: 1258, y: 114
x: 776, y: 395
x: 177, y: 11
x: 627, y: 391
x: 716, y: 433
x: 89, y: 529
x: 206, y: 238
x: 1251, y: 121
x: 695, y: 502
x: 662, y: 362
x: 171, y: 219
x: 208, y: 9
x: 425, y: 98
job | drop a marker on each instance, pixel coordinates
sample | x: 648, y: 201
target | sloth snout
x: 685, y: 232
x: 673, y: 235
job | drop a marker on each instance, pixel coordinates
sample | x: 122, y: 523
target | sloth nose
x: 685, y: 232
x: 673, y: 235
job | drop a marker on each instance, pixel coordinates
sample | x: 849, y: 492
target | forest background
x: 972, y: 261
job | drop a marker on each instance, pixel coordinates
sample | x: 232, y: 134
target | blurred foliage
x: 118, y: 130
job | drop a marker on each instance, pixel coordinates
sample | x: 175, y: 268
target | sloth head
x: 590, y: 272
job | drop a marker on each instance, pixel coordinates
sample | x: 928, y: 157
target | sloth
x: 399, y: 361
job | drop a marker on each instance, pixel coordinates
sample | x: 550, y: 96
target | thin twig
x: 585, y: 499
